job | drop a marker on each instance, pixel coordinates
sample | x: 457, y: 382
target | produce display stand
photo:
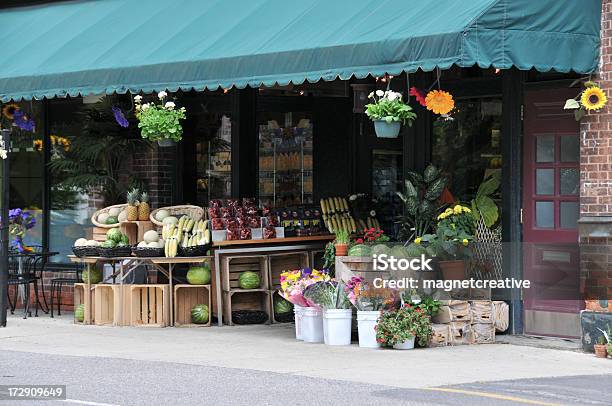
x: 275, y: 247
x: 126, y: 266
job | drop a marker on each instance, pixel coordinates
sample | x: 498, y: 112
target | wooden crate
x: 453, y: 310
x: 187, y: 296
x: 482, y: 311
x: 233, y: 266
x: 288, y: 261
x: 149, y: 305
x: 135, y: 230
x: 99, y: 234
x: 441, y: 336
x: 461, y: 333
x: 501, y: 315
x: 484, y: 333
x: 274, y: 294
x: 316, y: 259
x: 107, y: 305
x: 347, y: 267
x: 84, y: 296
x: 246, y: 300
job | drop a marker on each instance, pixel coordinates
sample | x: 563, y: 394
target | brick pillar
x: 155, y: 166
x: 596, y: 184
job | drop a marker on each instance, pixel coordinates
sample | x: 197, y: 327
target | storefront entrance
x: 551, y: 178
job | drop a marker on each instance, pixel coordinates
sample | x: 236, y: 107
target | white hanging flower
x: 392, y: 96
x: 145, y: 106
x: 162, y: 94
x: 352, y: 197
x: 371, y: 95
x: 138, y: 98
x: 380, y: 93
x: 373, y: 213
x: 169, y: 105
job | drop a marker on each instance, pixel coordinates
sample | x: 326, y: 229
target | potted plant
x: 370, y: 302
x: 341, y: 243
x: 331, y: 297
x: 450, y: 243
x: 603, y: 344
x: 389, y: 112
x: 160, y: 122
x: 403, y: 327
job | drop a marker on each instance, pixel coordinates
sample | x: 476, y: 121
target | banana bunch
x: 186, y: 233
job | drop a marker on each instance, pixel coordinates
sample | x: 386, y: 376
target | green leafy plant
x: 342, y: 237
x: 483, y: 205
x: 95, y: 161
x: 420, y: 199
x: 159, y: 121
x: 329, y: 258
x: 401, y: 325
x: 327, y: 295
x: 388, y: 106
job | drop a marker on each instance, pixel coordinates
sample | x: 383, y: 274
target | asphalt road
x: 112, y: 381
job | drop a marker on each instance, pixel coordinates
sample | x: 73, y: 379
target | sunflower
x: 439, y: 101
x: 9, y: 110
x: 593, y: 98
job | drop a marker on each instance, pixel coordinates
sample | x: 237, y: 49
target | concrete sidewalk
x: 274, y: 349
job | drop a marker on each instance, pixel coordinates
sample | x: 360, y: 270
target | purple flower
x: 21, y: 120
x: 306, y: 272
x: 120, y: 117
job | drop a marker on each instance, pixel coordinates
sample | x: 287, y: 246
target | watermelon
x: 79, y: 313
x: 122, y: 244
x: 199, y: 275
x: 114, y: 235
x: 282, y: 306
x: 199, y: 314
x: 96, y: 276
x: 360, y: 250
x: 125, y: 240
x: 108, y: 244
x: 399, y: 251
x: 249, y: 280
x: 380, y: 249
x: 415, y: 250
x: 112, y: 220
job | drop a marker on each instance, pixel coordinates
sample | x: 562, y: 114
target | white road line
x: 84, y: 402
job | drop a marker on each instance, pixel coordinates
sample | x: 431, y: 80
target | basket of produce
x: 167, y: 215
x: 110, y: 217
x: 249, y: 317
x: 148, y: 252
x: 85, y: 248
x: 115, y: 245
x: 194, y: 250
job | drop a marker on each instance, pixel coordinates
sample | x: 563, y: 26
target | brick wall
x: 156, y: 167
x: 596, y: 184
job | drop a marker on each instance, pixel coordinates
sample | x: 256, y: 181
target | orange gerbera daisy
x: 9, y: 110
x: 439, y: 101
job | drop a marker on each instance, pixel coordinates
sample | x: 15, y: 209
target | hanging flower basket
x: 384, y: 129
x: 388, y: 111
x: 160, y: 122
x: 166, y: 143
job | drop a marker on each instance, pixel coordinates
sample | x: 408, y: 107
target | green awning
x: 104, y: 46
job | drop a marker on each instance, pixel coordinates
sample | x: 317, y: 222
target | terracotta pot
x: 452, y: 269
x: 601, y: 350
x: 341, y: 250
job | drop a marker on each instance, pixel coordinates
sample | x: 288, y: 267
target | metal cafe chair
x: 58, y: 283
x: 17, y: 278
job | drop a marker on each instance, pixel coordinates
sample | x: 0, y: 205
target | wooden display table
x: 275, y: 241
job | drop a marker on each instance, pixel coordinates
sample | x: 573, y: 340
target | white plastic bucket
x: 406, y: 345
x: 366, y: 325
x: 297, y: 310
x: 311, y: 325
x: 337, y: 326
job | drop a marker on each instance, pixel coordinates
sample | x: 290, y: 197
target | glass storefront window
x: 386, y: 182
x: 467, y: 146
x: 285, y: 159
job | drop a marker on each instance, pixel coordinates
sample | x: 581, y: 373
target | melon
x: 114, y: 212
x: 152, y: 244
x: 125, y: 239
x: 81, y: 242
x: 79, y: 313
x: 93, y: 243
x: 415, y: 250
x: 199, y: 314
x: 399, y: 251
x: 96, y: 276
x: 151, y: 236
x: 108, y: 244
x: 161, y: 215
x: 380, y: 249
x: 122, y: 216
x: 249, y: 280
x: 142, y: 244
x: 281, y: 305
x: 114, y: 235
x: 360, y: 250
x: 170, y: 220
x: 112, y: 220
x: 199, y: 275
x: 102, y: 217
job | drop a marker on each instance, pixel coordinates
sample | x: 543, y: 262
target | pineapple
x: 143, y: 207
x: 132, y: 207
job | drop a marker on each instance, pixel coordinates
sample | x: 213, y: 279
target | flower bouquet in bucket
x: 403, y: 327
x: 331, y: 297
x: 370, y: 302
x: 308, y: 320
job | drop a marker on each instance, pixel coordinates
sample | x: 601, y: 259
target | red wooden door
x: 551, y: 189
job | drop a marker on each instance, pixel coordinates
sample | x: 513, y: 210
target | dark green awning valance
x: 104, y: 46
